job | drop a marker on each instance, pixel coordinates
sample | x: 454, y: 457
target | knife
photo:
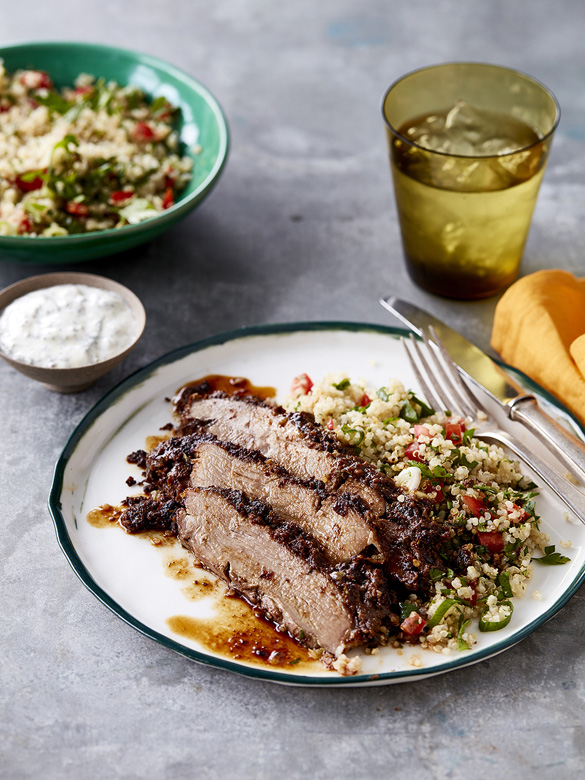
x: 480, y: 369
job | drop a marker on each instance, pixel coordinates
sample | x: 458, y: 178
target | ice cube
x: 522, y: 165
x: 464, y: 116
x: 497, y: 145
x: 469, y: 129
x: 476, y: 131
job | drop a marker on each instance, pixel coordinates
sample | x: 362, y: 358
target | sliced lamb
x: 410, y: 539
x: 293, y: 440
x: 281, y: 570
x: 340, y: 522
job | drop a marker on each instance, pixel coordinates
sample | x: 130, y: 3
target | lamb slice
x: 412, y: 543
x: 408, y: 538
x: 308, y: 451
x: 271, y: 563
x: 340, y: 522
x: 292, y: 439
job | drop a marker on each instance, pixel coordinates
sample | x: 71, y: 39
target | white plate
x: 126, y: 573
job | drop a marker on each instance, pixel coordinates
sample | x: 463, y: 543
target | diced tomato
x: 523, y: 514
x: 422, y: 430
x: 412, y: 452
x: 330, y: 424
x: 77, y: 209
x: 168, y: 199
x: 474, y: 596
x: 365, y: 400
x: 28, y: 186
x: 439, y: 495
x: 120, y: 196
x: 301, y: 385
x: 36, y: 79
x: 454, y: 431
x: 143, y: 132
x: 87, y: 90
x: 413, y: 624
x: 169, y: 178
x: 492, y: 540
x: 434, y: 491
x: 25, y: 225
x: 475, y: 505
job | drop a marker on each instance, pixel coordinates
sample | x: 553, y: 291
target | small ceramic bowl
x: 201, y: 124
x: 72, y: 380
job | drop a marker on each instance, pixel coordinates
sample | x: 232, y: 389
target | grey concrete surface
x: 301, y: 227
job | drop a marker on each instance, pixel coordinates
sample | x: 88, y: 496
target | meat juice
x: 466, y: 182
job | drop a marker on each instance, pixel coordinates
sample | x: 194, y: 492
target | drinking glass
x: 468, y: 147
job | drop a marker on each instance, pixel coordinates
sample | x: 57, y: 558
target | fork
x: 445, y: 390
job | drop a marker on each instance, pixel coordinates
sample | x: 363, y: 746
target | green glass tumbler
x: 468, y: 147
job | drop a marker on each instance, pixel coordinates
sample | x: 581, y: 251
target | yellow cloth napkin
x: 539, y: 327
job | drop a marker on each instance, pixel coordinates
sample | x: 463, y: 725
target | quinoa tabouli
x: 90, y: 156
x: 348, y: 517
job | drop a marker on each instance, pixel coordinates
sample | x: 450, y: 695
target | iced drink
x: 466, y: 178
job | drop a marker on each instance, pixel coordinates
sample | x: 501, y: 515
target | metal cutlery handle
x: 563, y: 444
x: 478, y: 367
x: 571, y: 496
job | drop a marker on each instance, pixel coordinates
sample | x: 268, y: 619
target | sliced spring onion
x: 495, y: 625
x: 389, y: 420
x: 64, y: 143
x: 137, y: 211
x: 503, y: 581
x: 343, y: 385
x: 356, y: 435
x: 440, y: 612
x: 462, y: 644
x: 438, y: 472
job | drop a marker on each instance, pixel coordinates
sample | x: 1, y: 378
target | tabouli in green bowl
x: 91, y: 156
x: 101, y: 149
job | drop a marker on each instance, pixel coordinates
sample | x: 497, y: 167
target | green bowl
x: 202, y: 122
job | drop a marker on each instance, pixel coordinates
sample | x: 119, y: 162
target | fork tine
x: 440, y: 376
x: 412, y: 348
x: 458, y: 388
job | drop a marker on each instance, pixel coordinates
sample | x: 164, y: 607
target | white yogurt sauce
x: 66, y: 326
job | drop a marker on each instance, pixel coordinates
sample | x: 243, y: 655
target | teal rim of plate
x: 170, y: 214
x: 260, y: 673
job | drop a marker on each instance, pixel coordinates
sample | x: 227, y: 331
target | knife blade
x: 480, y: 369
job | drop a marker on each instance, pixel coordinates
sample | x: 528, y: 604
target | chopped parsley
x: 343, y: 385
x: 552, y: 558
x: 356, y: 436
